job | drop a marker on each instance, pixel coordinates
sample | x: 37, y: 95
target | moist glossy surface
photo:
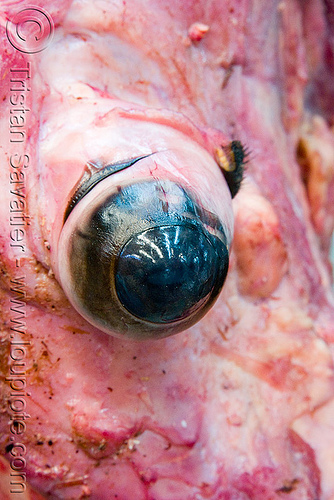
x: 165, y: 274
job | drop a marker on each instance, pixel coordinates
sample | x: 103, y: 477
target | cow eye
x: 141, y: 261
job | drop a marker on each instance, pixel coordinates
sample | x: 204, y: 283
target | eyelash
x: 93, y: 175
x: 232, y: 160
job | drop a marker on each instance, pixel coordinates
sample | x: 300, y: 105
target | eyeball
x: 143, y: 260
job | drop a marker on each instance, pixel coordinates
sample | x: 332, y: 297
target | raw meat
x: 240, y: 406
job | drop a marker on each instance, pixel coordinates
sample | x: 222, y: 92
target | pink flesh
x: 241, y: 405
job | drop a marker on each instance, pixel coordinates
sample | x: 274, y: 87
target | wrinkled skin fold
x: 240, y: 406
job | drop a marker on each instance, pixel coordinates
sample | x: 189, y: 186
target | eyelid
x: 93, y: 175
x: 232, y: 160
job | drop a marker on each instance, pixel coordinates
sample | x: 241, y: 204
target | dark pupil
x: 165, y: 273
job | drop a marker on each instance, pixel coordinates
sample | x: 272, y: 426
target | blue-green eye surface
x: 166, y: 273
x: 143, y: 261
